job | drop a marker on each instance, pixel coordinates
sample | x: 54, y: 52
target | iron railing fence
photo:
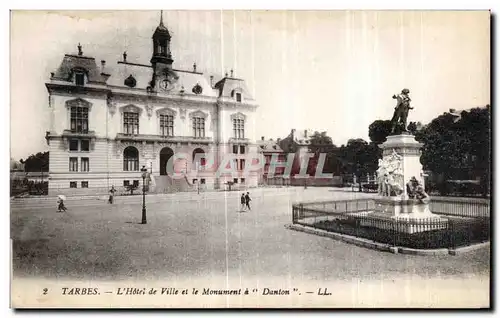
x: 461, y: 222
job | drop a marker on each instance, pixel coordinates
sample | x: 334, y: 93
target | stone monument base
x: 403, y: 215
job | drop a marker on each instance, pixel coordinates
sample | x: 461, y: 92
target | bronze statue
x: 415, y: 191
x: 401, y: 111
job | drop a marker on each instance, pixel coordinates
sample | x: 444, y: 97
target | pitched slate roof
x: 269, y: 146
x: 72, y: 62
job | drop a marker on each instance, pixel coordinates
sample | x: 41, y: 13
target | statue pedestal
x: 401, y: 161
x: 408, y: 149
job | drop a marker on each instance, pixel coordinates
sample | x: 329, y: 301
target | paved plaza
x: 190, y: 237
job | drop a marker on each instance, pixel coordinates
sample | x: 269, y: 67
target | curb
x: 384, y: 247
x: 344, y: 238
x: 470, y: 248
x: 415, y: 251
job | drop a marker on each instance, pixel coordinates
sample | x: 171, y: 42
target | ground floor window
x: 136, y: 183
x: 242, y: 180
x: 126, y: 183
x: 85, y: 184
x: 235, y: 180
x: 202, y: 181
x: 72, y: 184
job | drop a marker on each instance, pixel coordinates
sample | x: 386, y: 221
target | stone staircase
x: 166, y: 184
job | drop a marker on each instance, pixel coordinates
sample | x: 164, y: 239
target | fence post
x: 451, y: 241
x: 394, y: 231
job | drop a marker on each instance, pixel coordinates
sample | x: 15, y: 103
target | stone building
x: 108, y: 120
x: 269, y: 148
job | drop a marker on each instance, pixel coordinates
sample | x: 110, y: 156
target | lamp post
x: 144, y: 174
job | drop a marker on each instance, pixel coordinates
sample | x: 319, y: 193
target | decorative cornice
x: 239, y: 141
x: 238, y: 115
x: 78, y: 102
x: 69, y: 134
x: 403, y: 151
x: 166, y: 111
x: 130, y: 108
x: 159, y: 138
x: 198, y: 113
x: 68, y: 88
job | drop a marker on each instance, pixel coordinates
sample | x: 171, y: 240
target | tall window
x: 131, y: 123
x: 79, y: 79
x: 130, y: 159
x: 73, y: 164
x: 239, y: 128
x: 199, y: 127
x: 166, y: 125
x: 79, y: 119
x: 238, y: 97
x: 85, y: 164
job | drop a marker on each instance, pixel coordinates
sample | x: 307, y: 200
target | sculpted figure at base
x: 401, y: 111
x: 390, y: 175
x: 415, y: 190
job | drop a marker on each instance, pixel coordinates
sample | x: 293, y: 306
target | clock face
x: 165, y: 84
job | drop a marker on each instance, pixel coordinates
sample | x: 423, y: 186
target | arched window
x: 199, y: 159
x: 130, y: 159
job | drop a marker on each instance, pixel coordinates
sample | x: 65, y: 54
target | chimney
x: 194, y: 67
x: 125, y: 56
x: 305, y: 133
x: 211, y: 81
x: 103, y: 65
x: 231, y: 72
x: 262, y: 138
x: 278, y: 140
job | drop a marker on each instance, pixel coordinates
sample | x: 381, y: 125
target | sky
x: 332, y: 71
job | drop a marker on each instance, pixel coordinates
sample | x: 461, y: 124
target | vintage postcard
x: 250, y: 159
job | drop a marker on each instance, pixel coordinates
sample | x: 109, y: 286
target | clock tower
x: 164, y: 78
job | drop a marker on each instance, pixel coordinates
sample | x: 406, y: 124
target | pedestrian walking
x: 60, y: 201
x: 243, y: 202
x: 247, y: 200
x: 111, y: 195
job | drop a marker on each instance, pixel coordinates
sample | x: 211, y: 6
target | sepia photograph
x: 250, y: 159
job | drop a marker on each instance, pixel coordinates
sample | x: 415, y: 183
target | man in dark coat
x: 247, y: 200
x: 243, y: 202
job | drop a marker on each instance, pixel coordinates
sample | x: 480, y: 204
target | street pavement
x: 192, y: 237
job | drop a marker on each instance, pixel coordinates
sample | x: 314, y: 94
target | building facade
x: 109, y: 121
x: 272, y: 153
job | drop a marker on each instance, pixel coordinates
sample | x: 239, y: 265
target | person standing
x: 247, y: 200
x: 112, y: 194
x: 243, y: 202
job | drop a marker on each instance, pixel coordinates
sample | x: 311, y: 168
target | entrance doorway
x: 165, y: 155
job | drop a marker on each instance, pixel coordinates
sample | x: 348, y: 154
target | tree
x: 322, y: 143
x: 459, y: 147
x: 379, y: 130
x: 359, y: 158
x: 37, y: 163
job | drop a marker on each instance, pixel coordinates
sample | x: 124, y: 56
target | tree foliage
x: 359, y: 158
x: 320, y: 142
x: 379, y: 130
x: 458, y: 147
x: 36, y: 163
